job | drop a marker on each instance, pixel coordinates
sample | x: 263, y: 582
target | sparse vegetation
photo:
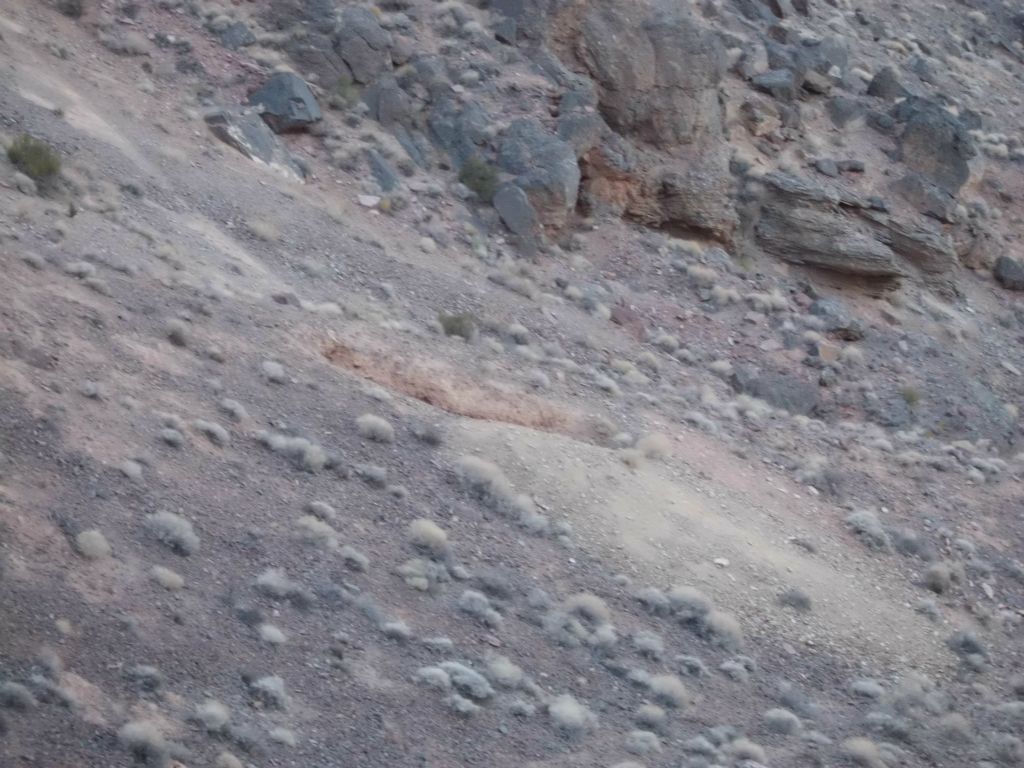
x: 570, y: 716
x: 270, y: 691
x: 866, y: 524
x: 34, y: 157
x: 428, y: 536
x: 213, y: 715
x: 480, y: 176
x: 478, y: 605
x: 16, y: 696
x: 92, y: 545
x: 146, y: 742
x: 462, y: 324
x: 375, y: 428
x: 167, y: 578
x: 174, y: 531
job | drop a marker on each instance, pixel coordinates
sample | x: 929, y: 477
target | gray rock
x: 657, y: 78
x: 779, y: 83
x: 363, y: 44
x: 800, y: 223
x: 698, y: 196
x: 25, y: 184
x: 415, y: 144
x: 885, y: 85
x: 389, y: 104
x: 843, y: 110
x: 780, y: 390
x: 286, y: 103
x: 458, y: 128
x: 383, y: 171
x: 1009, y: 273
x: 513, y: 206
x: 505, y: 30
x: 244, y: 130
x: 545, y: 168
x: 237, y: 35
x: 804, y: 223
x: 928, y: 198
x: 837, y: 318
x: 815, y: 82
x: 530, y: 16
x: 934, y: 143
x: 827, y: 167
x: 582, y: 130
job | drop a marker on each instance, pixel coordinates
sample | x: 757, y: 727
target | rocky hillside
x: 532, y: 383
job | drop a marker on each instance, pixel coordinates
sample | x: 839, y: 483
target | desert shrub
x: 669, y: 691
x: 16, y: 696
x: 640, y: 742
x: 271, y: 634
x: 651, y: 715
x: 167, y: 578
x: 649, y: 644
x: 145, y: 741
x: 34, y: 157
x: 375, y: 428
x: 73, y: 9
x: 504, y: 672
x: 796, y: 598
x: 477, y: 604
x: 461, y: 324
x: 688, y: 603
x: 428, y: 536
x: 214, y: 432
x: 315, y: 531
x: 480, y: 176
x: 271, y: 692
x: 654, y: 600
x: 467, y: 680
x: 174, y: 531
x: 92, y: 545
x: 570, y: 716
x: 866, y: 524
x: 722, y: 629
x: 781, y: 721
x: 213, y: 715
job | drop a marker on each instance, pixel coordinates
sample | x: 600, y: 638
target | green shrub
x: 911, y: 396
x: 344, y: 93
x: 71, y: 8
x: 34, y: 157
x: 480, y: 176
x: 462, y: 324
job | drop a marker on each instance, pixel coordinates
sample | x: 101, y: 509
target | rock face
x: 286, y: 103
x: 934, y: 143
x: 778, y: 389
x: 1009, y: 273
x: 804, y: 223
x: 363, y: 44
x: 544, y: 167
x: 245, y: 131
x: 657, y: 78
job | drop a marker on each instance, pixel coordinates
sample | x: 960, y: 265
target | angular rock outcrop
x: 657, y: 77
x: 286, y: 103
x: 544, y: 167
x: 244, y: 130
x: 801, y: 222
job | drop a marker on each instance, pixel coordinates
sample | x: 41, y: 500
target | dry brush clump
x: 173, y: 531
x: 92, y: 545
x: 571, y: 717
x: 375, y: 428
x: 486, y: 482
x: 305, y: 454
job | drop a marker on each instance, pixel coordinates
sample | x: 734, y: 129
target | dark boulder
x: 545, y: 168
x: 934, y: 143
x: 885, y: 85
x: 245, y: 131
x: 286, y: 103
x: 363, y: 44
x: 780, y: 390
x: 657, y: 77
x: 1009, y: 273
